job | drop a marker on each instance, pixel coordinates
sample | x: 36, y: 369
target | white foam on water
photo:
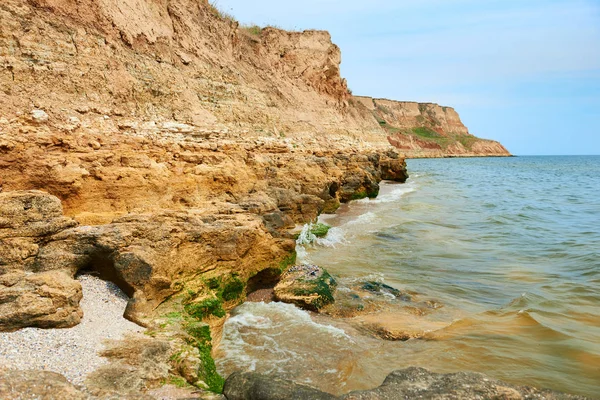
x: 395, y: 195
x: 362, y: 219
x: 271, y: 333
x: 335, y: 236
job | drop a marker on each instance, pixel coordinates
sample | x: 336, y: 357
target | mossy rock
x: 307, y: 286
x: 331, y: 206
x: 199, y: 337
x: 205, y: 308
x: 320, y: 229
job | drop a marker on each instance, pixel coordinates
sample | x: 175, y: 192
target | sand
x: 72, y: 352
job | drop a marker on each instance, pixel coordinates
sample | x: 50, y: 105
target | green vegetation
x: 177, y: 381
x: 466, y: 141
x: 286, y: 262
x: 201, y: 339
x: 233, y: 288
x: 217, y: 12
x: 206, y: 308
x: 321, y: 286
x: 425, y: 132
x: 173, y: 315
x: 372, y: 193
x: 254, y: 30
x: 319, y: 229
x: 361, y: 194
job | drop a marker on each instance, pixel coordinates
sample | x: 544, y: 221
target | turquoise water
x: 509, y: 246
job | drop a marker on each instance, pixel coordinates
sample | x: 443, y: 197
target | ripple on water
x: 477, y: 234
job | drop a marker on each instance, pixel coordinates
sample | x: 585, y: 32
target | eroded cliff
x: 166, y: 148
x: 427, y: 129
x: 102, y: 66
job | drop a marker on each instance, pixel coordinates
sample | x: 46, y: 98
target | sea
x: 506, y: 249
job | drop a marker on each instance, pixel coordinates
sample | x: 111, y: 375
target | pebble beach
x: 72, y: 352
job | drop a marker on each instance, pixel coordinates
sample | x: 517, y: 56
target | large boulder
x: 307, y: 286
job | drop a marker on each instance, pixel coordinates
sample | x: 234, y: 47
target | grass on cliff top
x: 253, y: 30
x: 214, y: 8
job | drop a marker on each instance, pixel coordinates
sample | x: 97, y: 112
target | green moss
x: 331, y: 206
x: 214, y: 283
x: 361, y: 194
x: 199, y: 331
x: 210, y: 375
x: 177, y: 381
x: 373, y: 192
x: 206, y: 308
x: 201, y: 339
x: 321, y: 286
x: 319, y: 229
x: 233, y: 289
x: 173, y: 315
x: 286, y: 262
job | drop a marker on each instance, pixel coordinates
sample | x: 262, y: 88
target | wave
x: 274, y: 337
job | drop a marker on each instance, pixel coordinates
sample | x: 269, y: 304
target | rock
x: 46, y: 300
x: 307, y: 286
x: 39, y: 116
x: 419, y: 383
x: 44, y: 385
x: 409, y: 383
x: 393, y: 170
x: 30, y: 214
x: 253, y: 386
x: 381, y: 289
x: 41, y: 251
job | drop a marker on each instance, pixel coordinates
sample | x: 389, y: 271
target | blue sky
x: 524, y: 72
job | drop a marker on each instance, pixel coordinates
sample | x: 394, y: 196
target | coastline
x: 173, y: 322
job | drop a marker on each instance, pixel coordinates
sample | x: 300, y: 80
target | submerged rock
x: 253, y: 386
x: 409, y: 383
x: 419, y: 383
x: 379, y: 288
x: 307, y: 286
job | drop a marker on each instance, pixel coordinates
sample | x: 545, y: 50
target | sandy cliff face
x: 162, y: 146
x: 105, y: 62
x: 427, y: 129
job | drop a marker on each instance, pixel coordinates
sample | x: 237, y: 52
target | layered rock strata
x: 427, y: 129
x: 181, y: 66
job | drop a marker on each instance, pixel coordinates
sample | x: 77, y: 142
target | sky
x: 523, y: 72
